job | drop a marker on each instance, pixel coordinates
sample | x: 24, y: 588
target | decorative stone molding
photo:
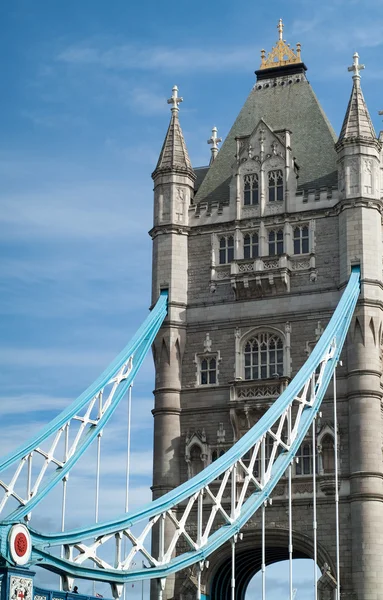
x: 262, y: 276
x: 197, y: 439
x: 249, y: 400
x: 207, y: 354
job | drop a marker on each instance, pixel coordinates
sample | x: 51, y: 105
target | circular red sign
x: 21, y: 544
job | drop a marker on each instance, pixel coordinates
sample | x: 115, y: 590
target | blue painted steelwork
x: 329, y: 346
x: 137, y: 348
x: 42, y: 594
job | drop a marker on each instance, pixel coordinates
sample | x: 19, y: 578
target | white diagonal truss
x: 194, y: 521
x: 25, y: 478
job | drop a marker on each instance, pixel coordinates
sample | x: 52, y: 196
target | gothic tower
x: 255, y: 250
x: 360, y: 240
x: 173, y: 186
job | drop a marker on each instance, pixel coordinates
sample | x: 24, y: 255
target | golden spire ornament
x: 281, y: 54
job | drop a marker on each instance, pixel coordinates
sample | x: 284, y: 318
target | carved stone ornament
x: 20, y: 588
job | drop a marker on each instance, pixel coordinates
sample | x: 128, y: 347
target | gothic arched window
x: 250, y: 245
x: 275, y: 180
x: 250, y: 189
x: 304, y: 466
x: 276, y: 242
x: 226, y: 249
x: 208, y: 371
x: 263, y: 356
x: 301, y: 239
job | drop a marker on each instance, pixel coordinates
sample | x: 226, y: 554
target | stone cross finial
x: 214, y: 141
x: 175, y: 100
x: 356, y: 68
x: 280, y: 29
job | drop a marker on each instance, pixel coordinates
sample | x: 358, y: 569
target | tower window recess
x: 214, y: 456
x: 276, y: 242
x: 263, y: 356
x: 208, y: 371
x: 304, y: 466
x: 226, y: 249
x: 275, y: 185
x: 250, y: 189
x: 328, y: 454
x: 301, y: 240
x: 250, y: 245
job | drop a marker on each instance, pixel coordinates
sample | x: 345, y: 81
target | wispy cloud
x: 145, y: 58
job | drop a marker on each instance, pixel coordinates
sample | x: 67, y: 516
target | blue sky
x: 83, y: 116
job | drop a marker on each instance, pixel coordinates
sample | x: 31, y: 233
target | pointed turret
x: 358, y: 147
x: 357, y: 124
x: 174, y: 157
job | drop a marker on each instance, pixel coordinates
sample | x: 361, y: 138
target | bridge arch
x: 249, y: 560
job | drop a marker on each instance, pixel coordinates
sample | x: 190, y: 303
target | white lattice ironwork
x: 215, y: 506
x: 30, y: 472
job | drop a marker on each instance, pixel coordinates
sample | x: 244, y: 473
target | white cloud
x: 133, y: 57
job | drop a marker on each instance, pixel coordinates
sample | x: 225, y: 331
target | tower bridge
x: 266, y: 331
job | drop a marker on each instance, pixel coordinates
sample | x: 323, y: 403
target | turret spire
x: 174, y: 156
x: 214, y: 141
x: 357, y: 124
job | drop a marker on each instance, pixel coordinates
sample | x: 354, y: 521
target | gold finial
x: 281, y: 54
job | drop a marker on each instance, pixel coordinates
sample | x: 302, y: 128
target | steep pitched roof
x: 174, y: 156
x: 282, y: 105
x: 357, y: 123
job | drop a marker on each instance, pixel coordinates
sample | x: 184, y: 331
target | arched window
x: 328, y: 454
x: 226, y: 249
x: 276, y: 242
x: 301, y: 240
x: 275, y: 179
x: 208, y: 371
x: 304, y: 466
x: 250, y: 245
x: 263, y: 356
x: 250, y: 189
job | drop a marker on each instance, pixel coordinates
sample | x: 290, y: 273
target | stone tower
x: 173, y: 187
x: 256, y: 249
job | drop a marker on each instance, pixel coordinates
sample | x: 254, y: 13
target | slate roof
x: 174, y: 156
x: 357, y: 123
x: 201, y: 173
x: 290, y: 106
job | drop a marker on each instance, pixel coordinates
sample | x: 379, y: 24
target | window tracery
x: 251, y: 189
x: 263, y: 356
x: 208, y: 371
x: 276, y: 243
x: 301, y: 239
x: 226, y: 249
x: 251, y: 245
x: 207, y: 364
x: 275, y: 183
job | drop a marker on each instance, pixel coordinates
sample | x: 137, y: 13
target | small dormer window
x: 275, y: 180
x: 251, y: 245
x: 250, y: 189
x: 226, y: 249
